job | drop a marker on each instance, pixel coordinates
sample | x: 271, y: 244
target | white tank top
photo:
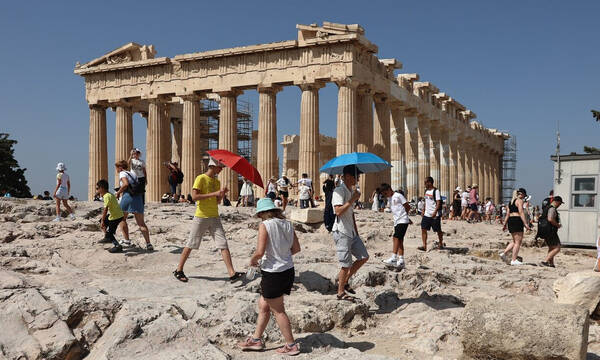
x: 63, y: 178
x: 278, y: 254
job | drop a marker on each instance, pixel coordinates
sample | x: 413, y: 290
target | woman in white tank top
x: 277, y: 242
x: 63, y: 188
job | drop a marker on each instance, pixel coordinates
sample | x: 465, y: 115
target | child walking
x: 61, y: 193
x: 400, y: 209
x: 277, y: 242
x: 111, y: 216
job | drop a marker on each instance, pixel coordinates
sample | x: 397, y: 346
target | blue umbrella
x: 365, y: 162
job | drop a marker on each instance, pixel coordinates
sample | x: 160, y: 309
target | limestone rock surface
x: 579, y: 288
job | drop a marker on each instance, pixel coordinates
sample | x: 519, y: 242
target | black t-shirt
x: 328, y: 185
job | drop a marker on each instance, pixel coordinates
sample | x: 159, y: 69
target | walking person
x: 112, y: 215
x: 328, y: 215
x: 175, y: 176
x: 130, y: 193
x: 207, y: 193
x: 277, y: 243
x: 456, y: 204
x: 474, y: 213
x: 283, y: 185
x: 375, y: 199
x: 548, y: 230
x: 62, y: 191
x: 464, y: 203
x: 400, y: 208
x: 515, y: 222
x: 271, y: 191
x: 345, y: 233
x: 432, y: 216
x: 308, y: 182
x: 138, y: 166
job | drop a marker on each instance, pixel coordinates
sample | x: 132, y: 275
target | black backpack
x: 179, y: 176
x: 135, y: 187
x: 544, y: 226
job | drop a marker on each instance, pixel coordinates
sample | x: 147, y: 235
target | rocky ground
x: 63, y: 296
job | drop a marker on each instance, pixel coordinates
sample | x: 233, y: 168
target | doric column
x: 461, y: 164
x: 489, y: 182
x: 158, y: 149
x: 346, y: 117
x: 411, y: 122
x: 98, y: 166
x: 397, y: 150
x: 192, y: 143
x: 434, y: 155
x: 468, y: 152
x: 309, y: 146
x: 266, y: 156
x: 364, y: 120
x: 381, y: 134
x: 453, y: 167
x: 445, y: 182
x: 424, y: 155
x: 497, y: 177
x: 228, y: 139
x: 176, y: 140
x: 475, y: 165
x: 123, y: 134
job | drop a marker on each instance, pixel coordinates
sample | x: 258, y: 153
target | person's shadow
x: 323, y: 340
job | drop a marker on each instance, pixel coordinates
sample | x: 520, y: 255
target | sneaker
x: 516, y: 262
x: 503, y: 257
x: 546, y: 264
x: 56, y: 219
x: 149, y: 247
x: 289, y: 350
x: 252, y: 345
x: 400, y: 265
x: 105, y: 240
x: 115, y: 249
x: 125, y: 243
x: 72, y: 217
x: 391, y: 261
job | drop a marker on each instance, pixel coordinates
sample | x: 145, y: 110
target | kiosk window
x: 584, y: 192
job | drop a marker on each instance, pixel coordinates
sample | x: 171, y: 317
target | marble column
x: 192, y: 143
x: 467, y: 151
x: 411, y: 123
x: 453, y: 167
x: 434, y: 155
x: 176, y: 139
x: 497, y: 176
x: 156, y: 152
x: 309, y: 146
x: 346, y: 117
x: 228, y: 139
x: 123, y: 134
x: 424, y: 154
x: 266, y: 156
x: 381, y: 135
x: 397, y: 149
x: 365, y: 140
x: 475, y: 166
x: 461, y: 164
x: 445, y: 183
x: 98, y: 157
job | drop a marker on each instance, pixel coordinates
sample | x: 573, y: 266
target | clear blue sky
x: 520, y: 65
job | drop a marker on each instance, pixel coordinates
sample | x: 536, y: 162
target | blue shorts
x: 132, y: 204
x: 431, y: 223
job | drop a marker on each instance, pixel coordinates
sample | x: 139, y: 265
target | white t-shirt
x: 278, y: 253
x: 137, y: 167
x: 420, y: 206
x: 305, y: 181
x: 343, y: 223
x: 488, y: 205
x: 431, y: 197
x: 397, y: 206
x: 283, y: 185
x: 127, y: 174
x: 304, y: 192
x: 271, y: 188
x: 63, y: 179
x: 464, y: 198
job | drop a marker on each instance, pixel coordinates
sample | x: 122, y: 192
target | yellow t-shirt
x: 207, y: 208
x: 114, y: 210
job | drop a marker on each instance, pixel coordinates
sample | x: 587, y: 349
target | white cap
x: 213, y: 162
x: 61, y: 167
x: 137, y: 150
x: 458, y: 188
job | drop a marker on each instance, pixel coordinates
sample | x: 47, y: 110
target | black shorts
x: 473, y: 207
x: 284, y: 194
x: 456, y: 206
x: 400, y: 231
x: 276, y: 284
x: 515, y: 224
x: 431, y: 223
x: 552, y: 239
x: 271, y: 195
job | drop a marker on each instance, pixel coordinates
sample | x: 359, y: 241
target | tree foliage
x: 12, y: 177
x: 596, y: 115
x: 591, y: 150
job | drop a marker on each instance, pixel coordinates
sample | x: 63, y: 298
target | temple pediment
x: 127, y: 53
x: 313, y: 33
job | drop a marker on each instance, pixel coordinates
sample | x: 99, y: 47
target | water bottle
x: 251, y: 272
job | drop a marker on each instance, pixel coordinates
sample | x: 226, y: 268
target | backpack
x: 135, y: 187
x: 544, y: 226
x: 179, y: 176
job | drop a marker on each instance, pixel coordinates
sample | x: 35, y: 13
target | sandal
x: 179, y: 275
x: 349, y: 290
x: 346, y: 297
x: 235, y: 277
x: 421, y: 248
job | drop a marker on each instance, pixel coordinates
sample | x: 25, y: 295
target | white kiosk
x: 576, y: 180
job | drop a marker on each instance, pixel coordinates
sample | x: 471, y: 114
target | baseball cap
x: 558, y: 198
x: 522, y: 191
x: 351, y: 170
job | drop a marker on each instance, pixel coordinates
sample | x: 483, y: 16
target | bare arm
x: 196, y: 195
x: 438, y: 206
x: 69, y: 186
x: 552, y: 220
x: 295, y: 245
x: 104, y: 212
x: 522, y: 213
x: 124, y: 185
x: 340, y: 209
x: 263, y: 237
x: 57, y: 186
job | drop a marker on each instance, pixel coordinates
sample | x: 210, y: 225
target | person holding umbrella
x: 345, y: 233
x: 207, y: 193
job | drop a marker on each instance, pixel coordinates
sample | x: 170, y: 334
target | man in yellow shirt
x: 112, y: 215
x: 207, y: 194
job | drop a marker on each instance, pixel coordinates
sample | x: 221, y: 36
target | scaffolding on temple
x: 209, y: 113
x: 509, y: 168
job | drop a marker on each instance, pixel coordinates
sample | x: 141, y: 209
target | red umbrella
x: 238, y: 164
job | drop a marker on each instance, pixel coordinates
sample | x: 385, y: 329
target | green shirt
x: 114, y: 210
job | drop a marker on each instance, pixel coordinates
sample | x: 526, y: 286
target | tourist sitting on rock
x: 277, y: 242
x: 400, y: 209
x: 46, y: 196
x: 345, y: 233
x: 112, y: 215
x: 207, y: 193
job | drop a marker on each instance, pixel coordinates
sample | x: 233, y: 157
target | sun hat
x: 137, y: 150
x: 265, y: 204
x: 213, y: 162
x: 61, y: 167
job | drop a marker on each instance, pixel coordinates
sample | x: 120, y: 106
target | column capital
x: 161, y: 99
x: 347, y: 82
x: 269, y: 88
x: 97, y: 106
x: 230, y: 93
x: 191, y: 97
x: 305, y: 86
x: 364, y: 89
x: 380, y: 98
x: 410, y: 112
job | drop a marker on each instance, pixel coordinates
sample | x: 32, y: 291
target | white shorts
x: 62, y: 194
